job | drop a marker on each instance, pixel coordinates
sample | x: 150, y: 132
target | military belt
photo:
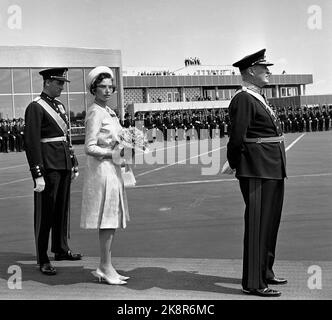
x: 264, y: 140
x: 45, y: 140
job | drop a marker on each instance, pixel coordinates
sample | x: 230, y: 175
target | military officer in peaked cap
x: 256, y: 153
x: 53, y: 165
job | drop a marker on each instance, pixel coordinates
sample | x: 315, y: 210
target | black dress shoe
x: 266, y: 292
x: 276, y: 280
x: 47, y: 268
x: 67, y: 256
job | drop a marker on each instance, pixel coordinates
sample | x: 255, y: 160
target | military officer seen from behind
x: 256, y: 153
x: 53, y: 165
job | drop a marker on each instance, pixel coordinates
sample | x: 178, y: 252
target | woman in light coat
x: 104, y: 201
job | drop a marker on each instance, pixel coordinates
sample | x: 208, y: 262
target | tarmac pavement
x: 178, y: 232
x: 160, y: 279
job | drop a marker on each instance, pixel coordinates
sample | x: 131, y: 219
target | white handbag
x: 128, y: 176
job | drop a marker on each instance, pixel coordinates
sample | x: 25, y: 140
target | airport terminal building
x: 189, y: 87
x: 20, y: 81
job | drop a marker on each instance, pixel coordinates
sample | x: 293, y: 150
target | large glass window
x: 227, y: 94
x: 210, y: 94
x: 268, y: 92
x: 5, y: 80
x: 77, y: 106
x: 21, y: 80
x: 89, y: 99
x: 76, y: 80
x: 21, y: 102
x: 76, y: 99
x: 86, y: 72
x: 6, y: 107
x: 37, y: 81
x: 221, y: 94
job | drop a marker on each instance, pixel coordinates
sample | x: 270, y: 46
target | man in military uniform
x: 20, y: 129
x: 256, y: 152
x: 127, y: 120
x: 1, y: 138
x: 53, y: 166
x: 326, y: 118
x: 148, y: 126
x: 313, y: 119
x: 4, y: 133
x: 159, y: 127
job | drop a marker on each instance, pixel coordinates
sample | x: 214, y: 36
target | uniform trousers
x: 51, y: 212
x: 264, y: 200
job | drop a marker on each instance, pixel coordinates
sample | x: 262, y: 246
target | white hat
x: 94, y: 73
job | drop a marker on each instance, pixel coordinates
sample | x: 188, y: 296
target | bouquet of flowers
x: 133, y: 138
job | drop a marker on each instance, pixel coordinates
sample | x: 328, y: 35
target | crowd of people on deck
x: 192, y: 61
x: 156, y: 73
x: 184, y: 124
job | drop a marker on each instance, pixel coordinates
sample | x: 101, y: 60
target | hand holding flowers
x: 133, y: 138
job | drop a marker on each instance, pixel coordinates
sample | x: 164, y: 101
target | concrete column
x: 147, y: 95
x: 13, y: 96
x: 120, y: 101
x: 299, y: 91
x: 217, y: 93
x: 182, y: 94
x: 277, y: 91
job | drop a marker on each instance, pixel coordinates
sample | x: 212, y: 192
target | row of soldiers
x: 11, y: 135
x: 305, y: 119
x: 181, y: 124
x: 185, y: 123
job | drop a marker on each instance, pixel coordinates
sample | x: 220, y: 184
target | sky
x: 157, y: 33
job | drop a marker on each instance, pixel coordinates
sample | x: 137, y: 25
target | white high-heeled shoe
x: 121, y: 277
x: 102, y: 276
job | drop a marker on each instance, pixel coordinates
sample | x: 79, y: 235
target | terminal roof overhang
x: 46, y: 56
x: 215, y: 80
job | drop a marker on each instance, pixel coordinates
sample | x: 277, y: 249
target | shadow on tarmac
x: 142, y: 278
x: 151, y: 277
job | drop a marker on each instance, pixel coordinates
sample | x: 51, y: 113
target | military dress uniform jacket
x: 39, y: 124
x: 249, y: 118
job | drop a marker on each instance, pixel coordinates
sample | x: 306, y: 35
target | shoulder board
x: 242, y: 89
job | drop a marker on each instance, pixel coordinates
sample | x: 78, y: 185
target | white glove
x: 226, y: 169
x: 74, y: 175
x: 40, y: 184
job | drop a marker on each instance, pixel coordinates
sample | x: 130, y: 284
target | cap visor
x: 60, y: 79
x: 265, y: 63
